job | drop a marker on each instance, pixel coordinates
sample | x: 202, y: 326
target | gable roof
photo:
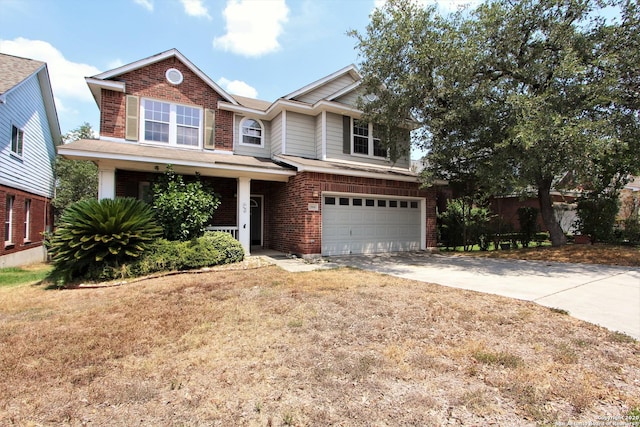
x: 15, y: 70
x: 350, y: 69
x: 104, y: 80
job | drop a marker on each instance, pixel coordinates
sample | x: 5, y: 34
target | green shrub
x: 183, y: 209
x: 464, y: 225
x: 527, y: 217
x: 213, y: 248
x: 596, y: 216
x: 97, y: 236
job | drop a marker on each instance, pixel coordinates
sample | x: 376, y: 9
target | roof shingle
x: 14, y: 70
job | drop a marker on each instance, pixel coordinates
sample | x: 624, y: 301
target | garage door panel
x: 349, y: 229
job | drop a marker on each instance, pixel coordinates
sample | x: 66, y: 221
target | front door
x: 256, y: 221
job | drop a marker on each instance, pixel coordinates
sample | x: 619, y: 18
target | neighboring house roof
x: 14, y: 70
x: 104, y: 80
x: 146, y: 154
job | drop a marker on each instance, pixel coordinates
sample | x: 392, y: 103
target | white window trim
x: 10, y: 211
x: 14, y: 153
x: 173, y: 125
x: 371, y: 146
x: 241, y: 133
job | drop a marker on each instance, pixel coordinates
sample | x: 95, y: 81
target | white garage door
x: 366, y: 225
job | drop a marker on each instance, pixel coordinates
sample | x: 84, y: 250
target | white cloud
x: 67, y: 78
x: 195, y: 8
x: 445, y: 6
x: 238, y: 87
x: 147, y: 4
x: 115, y: 63
x: 253, y: 26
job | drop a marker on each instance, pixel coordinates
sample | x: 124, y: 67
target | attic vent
x: 174, y: 76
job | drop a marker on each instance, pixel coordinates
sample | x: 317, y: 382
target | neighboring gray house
x: 29, y: 132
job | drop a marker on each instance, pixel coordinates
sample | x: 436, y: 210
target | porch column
x: 244, y: 213
x: 106, y: 182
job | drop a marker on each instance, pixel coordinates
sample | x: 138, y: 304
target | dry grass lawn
x: 590, y: 254
x: 263, y: 347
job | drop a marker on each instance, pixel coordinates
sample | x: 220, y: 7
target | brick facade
x: 150, y: 81
x: 41, y: 220
x: 288, y: 225
x: 297, y: 230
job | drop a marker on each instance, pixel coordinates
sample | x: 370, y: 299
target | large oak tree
x: 512, y: 95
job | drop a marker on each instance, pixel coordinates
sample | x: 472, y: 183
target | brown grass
x: 589, y: 254
x: 339, y: 347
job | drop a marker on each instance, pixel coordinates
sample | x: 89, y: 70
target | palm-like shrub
x: 95, y: 235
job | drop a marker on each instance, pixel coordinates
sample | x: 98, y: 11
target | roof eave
x: 161, y: 57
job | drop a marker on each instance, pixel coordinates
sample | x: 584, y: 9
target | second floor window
x: 252, y: 132
x: 171, y: 124
x: 366, y: 140
x: 17, y: 140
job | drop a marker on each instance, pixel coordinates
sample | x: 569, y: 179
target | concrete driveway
x: 605, y: 295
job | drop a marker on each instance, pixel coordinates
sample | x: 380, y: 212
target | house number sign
x: 314, y: 207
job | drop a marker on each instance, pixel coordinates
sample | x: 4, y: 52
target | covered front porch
x: 244, y: 184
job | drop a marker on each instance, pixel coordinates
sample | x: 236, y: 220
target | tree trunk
x: 548, y: 215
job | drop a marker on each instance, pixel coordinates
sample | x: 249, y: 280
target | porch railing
x: 231, y: 229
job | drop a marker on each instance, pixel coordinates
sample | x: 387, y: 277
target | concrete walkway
x: 605, y: 295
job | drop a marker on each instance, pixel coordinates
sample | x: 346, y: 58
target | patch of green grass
x: 16, y: 276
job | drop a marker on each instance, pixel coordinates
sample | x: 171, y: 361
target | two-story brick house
x: 301, y: 174
x: 29, y: 131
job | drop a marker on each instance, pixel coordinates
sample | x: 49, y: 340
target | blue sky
x: 258, y: 48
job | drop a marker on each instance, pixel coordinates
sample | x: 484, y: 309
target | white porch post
x: 106, y: 182
x: 244, y: 213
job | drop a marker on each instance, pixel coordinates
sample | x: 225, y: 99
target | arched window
x: 252, y: 132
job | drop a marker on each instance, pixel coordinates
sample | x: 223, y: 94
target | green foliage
x: 183, y: 209
x: 527, y: 217
x: 14, y: 276
x: 596, y: 216
x: 463, y: 224
x: 75, y: 179
x: 513, y: 94
x: 96, y: 236
x: 213, y: 248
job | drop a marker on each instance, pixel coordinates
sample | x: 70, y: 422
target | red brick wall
x: 41, y: 219
x: 297, y: 230
x: 150, y: 82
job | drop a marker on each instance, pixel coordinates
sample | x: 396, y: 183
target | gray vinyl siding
x: 350, y: 99
x: 25, y: 109
x: 326, y: 90
x: 247, y: 150
x: 334, y: 146
x: 318, y: 136
x: 276, y: 135
x: 300, y: 135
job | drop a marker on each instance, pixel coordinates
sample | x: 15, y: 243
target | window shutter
x: 209, y: 129
x: 131, y: 123
x: 346, y: 134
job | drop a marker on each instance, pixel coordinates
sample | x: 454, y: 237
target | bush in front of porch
x: 183, y: 209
